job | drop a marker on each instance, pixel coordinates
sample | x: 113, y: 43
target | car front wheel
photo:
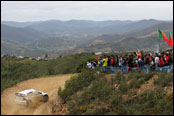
x: 45, y: 98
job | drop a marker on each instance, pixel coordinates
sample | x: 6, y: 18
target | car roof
x: 27, y: 91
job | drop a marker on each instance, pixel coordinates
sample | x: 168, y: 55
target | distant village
x: 27, y: 57
x: 46, y: 57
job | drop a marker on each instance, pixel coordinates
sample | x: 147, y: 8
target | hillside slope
x: 119, y: 94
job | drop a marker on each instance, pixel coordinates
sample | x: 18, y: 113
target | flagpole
x: 158, y: 41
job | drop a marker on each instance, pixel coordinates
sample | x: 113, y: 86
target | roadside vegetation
x: 14, y: 70
x: 119, y: 95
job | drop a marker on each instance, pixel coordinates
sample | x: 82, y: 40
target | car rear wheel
x: 45, y: 98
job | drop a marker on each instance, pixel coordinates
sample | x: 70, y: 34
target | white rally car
x: 26, y: 97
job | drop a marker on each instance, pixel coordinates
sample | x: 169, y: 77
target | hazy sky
x: 88, y: 10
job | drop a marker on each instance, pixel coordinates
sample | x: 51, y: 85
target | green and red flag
x: 170, y: 43
x: 162, y: 35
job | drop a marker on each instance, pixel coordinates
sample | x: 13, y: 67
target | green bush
x: 115, y: 99
x: 123, y: 87
x: 73, y: 108
x: 100, y: 111
x: 164, y: 80
x: 110, y: 113
x: 81, y: 66
x: 100, y: 89
x: 132, y: 83
x: 150, y: 103
x: 138, y: 83
x: 118, y: 78
x: 147, y: 76
x: 65, y: 94
x: 96, y: 95
x: 138, y: 79
x: 51, y: 70
x: 75, y: 84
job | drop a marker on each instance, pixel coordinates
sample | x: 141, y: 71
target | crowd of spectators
x: 135, y: 61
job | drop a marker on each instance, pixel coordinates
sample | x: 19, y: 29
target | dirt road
x: 49, y: 85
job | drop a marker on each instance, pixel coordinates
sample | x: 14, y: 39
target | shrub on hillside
x: 75, y: 84
x: 115, y: 99
x: 93, y: 99
x: 100, y: 89
x: 149, y: 103
x: 65, y: 94
x: 51, y: 70
x: 164, y: 80
x: 138, y: 83
x: 147, y: 76
x: 118, y: 78
x: 132, y: 83
x: 81, y: 66
x: 123, y: 87
x: 138, y: 79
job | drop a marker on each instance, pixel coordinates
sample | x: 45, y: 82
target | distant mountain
x: 163, y: 26
x: 73, y: 36
x: 19, y: 24
x: 20, y: 35
x: 131, y: 26
x: 138, y: 39
x: 86, y: 26
x: 95, y: 27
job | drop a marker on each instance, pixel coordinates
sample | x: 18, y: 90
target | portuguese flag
x: 162, y: 35
x: 170, y: 43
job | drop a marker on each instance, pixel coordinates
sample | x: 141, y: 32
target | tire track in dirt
x: 48, y: 84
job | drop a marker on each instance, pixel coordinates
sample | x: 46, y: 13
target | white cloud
x: 89, y: 10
